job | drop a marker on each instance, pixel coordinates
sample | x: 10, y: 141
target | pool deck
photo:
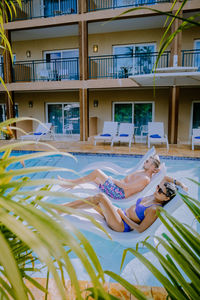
x: 88, y: 147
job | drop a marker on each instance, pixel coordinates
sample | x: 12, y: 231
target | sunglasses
x: 160, y: 191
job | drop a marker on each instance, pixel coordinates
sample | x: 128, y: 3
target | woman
x: 138, y: 216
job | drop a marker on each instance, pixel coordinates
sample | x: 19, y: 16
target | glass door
x: 51, y: 8
x: 197, y: 54
x: 123, y: 112
x: 139, y: 113
x: 65, y: 117
x: 72, y: 118
x: 123, y: 61
x: 196, y: 115
x: 142, y: 115
x: 143, y: 59
x: 53, y: 65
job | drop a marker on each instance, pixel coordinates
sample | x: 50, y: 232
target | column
x: 8, y: 79
x: 175, y: 61
x: 84, y: 114
x: 83, y: 69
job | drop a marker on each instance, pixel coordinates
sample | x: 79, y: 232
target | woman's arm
x: 175, y: 181
x: 149, y: 219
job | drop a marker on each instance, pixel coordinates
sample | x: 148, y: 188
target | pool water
x: 110, y: 252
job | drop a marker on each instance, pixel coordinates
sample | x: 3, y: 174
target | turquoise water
x: 109, y: 252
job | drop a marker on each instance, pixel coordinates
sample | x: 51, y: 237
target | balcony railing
x: 50, y: 8
x: 112, y: 4
x: 191, y: 58
x: 123, y: 66
x: 42, y: 70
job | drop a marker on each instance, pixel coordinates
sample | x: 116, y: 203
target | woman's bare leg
x: 97, y: 176
x: 103, y: 206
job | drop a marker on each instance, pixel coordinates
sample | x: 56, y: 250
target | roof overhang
x: 168, y: 79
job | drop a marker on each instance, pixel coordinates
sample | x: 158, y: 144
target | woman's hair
x: 171, y: 190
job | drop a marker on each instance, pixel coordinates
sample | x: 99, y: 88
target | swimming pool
x: 109, y: 252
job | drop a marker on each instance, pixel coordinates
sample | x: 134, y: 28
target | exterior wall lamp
x: 95, y: 103
x: 95, y: 48
x: 28, y: 53
x: 30, y: 104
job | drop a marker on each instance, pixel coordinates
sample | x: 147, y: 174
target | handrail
x: 123, y: 66
x: 30, y: 9
x: 191, y: 58
x: 112, y: 4
x: 43, y: 70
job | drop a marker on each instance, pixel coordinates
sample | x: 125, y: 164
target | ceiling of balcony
x: 93, y: 28
x: 99, y: 27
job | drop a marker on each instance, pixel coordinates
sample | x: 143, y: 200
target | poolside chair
x: 109, y: 132
x: 82, y: 220
x: 125, y: 134
x: 43, y: 131
x: 116, y: 169
x: 195, y: 137
x: 156, y: 134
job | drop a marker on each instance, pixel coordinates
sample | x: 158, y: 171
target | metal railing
x: 42, y: 70
x: 191, y: 58
x: 112, y: 4
x: 123, y: 66
x: 34, y: 9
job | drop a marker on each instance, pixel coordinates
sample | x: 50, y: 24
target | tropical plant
x: 181, y: 264
x: 32, y: 232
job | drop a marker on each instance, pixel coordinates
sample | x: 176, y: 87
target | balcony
x: 94, y: 5
x: 191, y: 58
x: 44, y: 8
x: 124, y: 66
x: 42, y: 70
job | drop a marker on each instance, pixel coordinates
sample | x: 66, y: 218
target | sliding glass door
x: 196, y: 115
x: 65, y: 117
x: 138, y: 113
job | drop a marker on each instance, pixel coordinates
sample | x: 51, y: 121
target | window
x: 65, y: 117
x: 138, y: 113
x: 62, y: 64
x: 197, y: 54
x: 196, y: 115
x: 59, y: 7
x: 133, y: 59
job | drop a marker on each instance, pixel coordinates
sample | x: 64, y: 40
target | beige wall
x: 39, y: 100
x: 188, y: 38
x: 107, y: 40
x: 106, y: 98
x: 37, y: 47
x: 104, y: 41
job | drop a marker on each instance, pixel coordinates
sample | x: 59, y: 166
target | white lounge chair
x: 195, y: 137
x: 125, y: 134
x: 116, y: 169
x: 156, y: 134
x: 43, y: 131
x: 81, y: 221
x: 109, y: 131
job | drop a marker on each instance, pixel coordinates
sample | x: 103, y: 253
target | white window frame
x: 191, y: 118
x: 195, y: 44
x: 59, y: 51
x: 63, y: 103
x: 133, y: 103
x: 135, y: 45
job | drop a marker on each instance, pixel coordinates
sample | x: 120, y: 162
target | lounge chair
x: 116, y: 169
x: 43, y: 131
x: 156, y: 134
x: 109, y: 131
x: 125, y: 134
x: 195, y: 137
x: 81, y: 220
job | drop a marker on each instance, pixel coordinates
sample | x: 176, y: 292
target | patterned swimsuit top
x: 140, y: 209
